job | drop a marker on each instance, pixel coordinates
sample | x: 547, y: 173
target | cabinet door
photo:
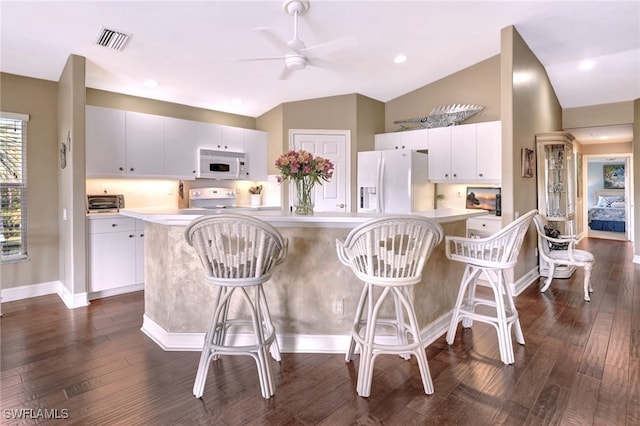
x: 180, y: 148
x: 440, y: 154
x: 232, y: 139
x: 105, y: 141
x: 384, y: 141
x: 111, y: 260
x: 489, y: 151
x: 139, y: 255
x: 463, y: 153
x: 415, y: 139
x: 145, y: 144
x: 209, y: 136
x: 255, y: 149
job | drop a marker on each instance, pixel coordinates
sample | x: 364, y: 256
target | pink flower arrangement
x: 303, y: 165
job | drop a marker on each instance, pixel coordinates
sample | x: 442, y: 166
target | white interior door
x: 332, y: 196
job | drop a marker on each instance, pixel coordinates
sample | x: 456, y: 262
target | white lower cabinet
x: 116, y: 255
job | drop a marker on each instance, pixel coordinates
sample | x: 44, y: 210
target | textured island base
x: 312, y: 296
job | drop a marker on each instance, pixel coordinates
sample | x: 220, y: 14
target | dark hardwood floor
x: 93, y: 366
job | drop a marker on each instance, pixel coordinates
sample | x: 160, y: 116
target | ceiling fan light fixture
x: 295, y: 62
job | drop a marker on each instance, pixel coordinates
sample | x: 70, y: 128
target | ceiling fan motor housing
x: 295, y: 6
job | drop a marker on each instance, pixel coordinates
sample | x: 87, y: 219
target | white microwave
x: 221, y: 164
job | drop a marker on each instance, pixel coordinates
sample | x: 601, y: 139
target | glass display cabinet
x: 556, y: 187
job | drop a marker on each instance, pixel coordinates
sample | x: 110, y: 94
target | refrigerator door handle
x: 381, y: 194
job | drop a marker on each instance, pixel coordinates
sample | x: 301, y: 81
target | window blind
x: 13, y: 186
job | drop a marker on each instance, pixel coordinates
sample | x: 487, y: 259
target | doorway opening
x: 608, y: 197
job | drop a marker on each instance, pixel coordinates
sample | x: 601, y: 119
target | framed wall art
x: 613, y: 176
x: 528, y: 162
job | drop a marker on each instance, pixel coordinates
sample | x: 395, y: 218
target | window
x: 13, y: 186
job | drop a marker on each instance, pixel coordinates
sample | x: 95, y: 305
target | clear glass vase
x: 303, y: 196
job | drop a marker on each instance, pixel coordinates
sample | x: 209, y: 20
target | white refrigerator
x: 394, y: 181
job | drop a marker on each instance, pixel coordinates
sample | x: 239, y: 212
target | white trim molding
x: 289, y: 343
x: 71, y: 300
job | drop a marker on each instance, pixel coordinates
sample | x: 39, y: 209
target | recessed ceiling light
x: 603, y: 137
x: 150, y: 83
x: 399, y: 59
x: 586, y: 65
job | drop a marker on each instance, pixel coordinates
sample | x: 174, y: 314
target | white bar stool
x: 388, y: 254
x: 238, y: 253
x: 492, y: 255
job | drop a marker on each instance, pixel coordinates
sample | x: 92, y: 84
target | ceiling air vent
x: 112, y: 39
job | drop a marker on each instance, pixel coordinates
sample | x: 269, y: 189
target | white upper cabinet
x: 440, y: 154
x: 105, y: 141
x: 408, y: 139
x: 463, y: 153
x: 180, y: 148
x: 145, y: 144
x: 255, y: 149
x: 123, y: 143
x: 489, y: 154
x: 209, y: 136
x: 232, y: 139
x: 468, y: 153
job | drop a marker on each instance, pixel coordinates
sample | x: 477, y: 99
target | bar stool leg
x: 356, y: 323
x: 418, y: 350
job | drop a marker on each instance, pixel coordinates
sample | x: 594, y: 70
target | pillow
x: 618, y: 205
x: 606, y: 201
x: 554, y: 233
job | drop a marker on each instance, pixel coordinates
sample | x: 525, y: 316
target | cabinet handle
x: 455, y: 175
x: 446, y: 175
x: 121, y: 169
x: 131, y: 236
x: 142, y: 235
x: 114, y: 225
x: 480, y: 174
x: 131, y: 169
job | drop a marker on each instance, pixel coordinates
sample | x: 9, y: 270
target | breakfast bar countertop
x: 280, y: 219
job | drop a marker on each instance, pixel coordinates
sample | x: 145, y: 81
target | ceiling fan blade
x: 266, y: 58
x: 274, y: 39
x: 333, y: 45
x: 285, y: 73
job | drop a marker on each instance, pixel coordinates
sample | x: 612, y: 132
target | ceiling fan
x: 295, y: 52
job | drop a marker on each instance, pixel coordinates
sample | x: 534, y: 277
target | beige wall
x: 529, y: 106
x: 478, y: 84
x: 636, y: 178
x: 71, y: 179
x: 133, y: 103
x: 38, y: 99
x: 598, y: 115
x: 609, y: 148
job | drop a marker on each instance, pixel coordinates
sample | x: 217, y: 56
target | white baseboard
x: 525, y: 281
x: 116, y: 291
x: 636, y: 258
x: 72, y: 301
x: 12, y: 294
x: 289, y: 343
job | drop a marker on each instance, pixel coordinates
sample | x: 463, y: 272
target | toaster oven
x: 105, y: 203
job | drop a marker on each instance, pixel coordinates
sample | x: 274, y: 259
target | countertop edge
x: 279, y: 219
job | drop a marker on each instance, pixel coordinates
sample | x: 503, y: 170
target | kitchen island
x: 311, y: 295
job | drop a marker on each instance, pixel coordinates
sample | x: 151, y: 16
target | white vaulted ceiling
x: 192, y: 48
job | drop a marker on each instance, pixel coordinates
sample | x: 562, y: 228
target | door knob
x: 341, y: 205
